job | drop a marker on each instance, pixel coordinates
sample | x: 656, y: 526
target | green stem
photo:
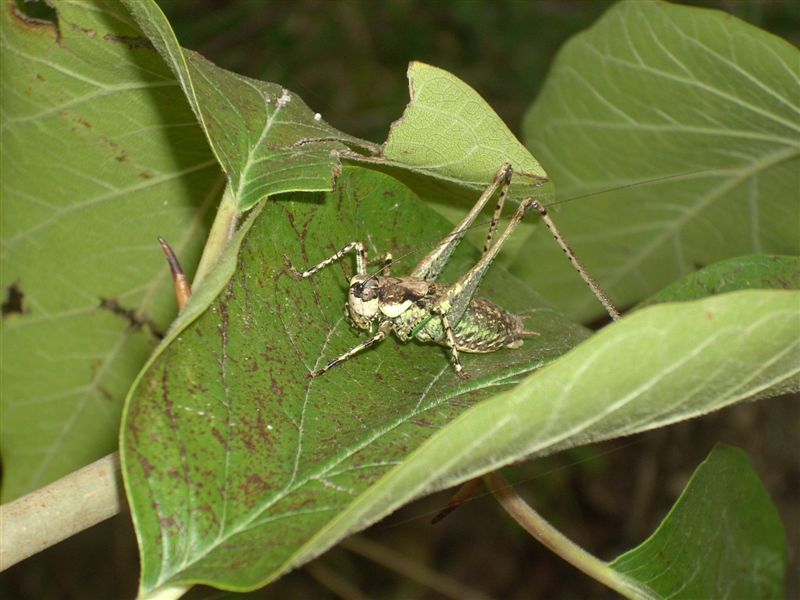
x: 222, y: 232
x: 554, y: 540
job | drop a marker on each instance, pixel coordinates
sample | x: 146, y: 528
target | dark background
x: 347, y: 60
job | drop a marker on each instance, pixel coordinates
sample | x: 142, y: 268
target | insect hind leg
x: 458, y: 296
x: 498, y: 209
x: 576, y: 263
x: 431, y: 266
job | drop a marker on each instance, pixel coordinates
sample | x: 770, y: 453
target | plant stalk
x: 59, y: 510
x: 222, y: 232
x: 558, y: 543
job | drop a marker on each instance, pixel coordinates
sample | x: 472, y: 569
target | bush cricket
x: 416, y: 306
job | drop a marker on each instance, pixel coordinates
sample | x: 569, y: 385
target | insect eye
x: 367, y: 290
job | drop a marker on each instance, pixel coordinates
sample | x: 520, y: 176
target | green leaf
x: 255, y: 128
x: 100, y: 154
x: 722, y: 539
x: 658, y: 366
x: 740, y: 273
x: 449, y: 145
x: 448, y: 132
x: 696, y: 98
x: 233, y: 460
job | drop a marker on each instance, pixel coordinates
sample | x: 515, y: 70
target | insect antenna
x: 633, y: 184
x: 423, y: 247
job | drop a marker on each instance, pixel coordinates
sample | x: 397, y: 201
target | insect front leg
x: 357, y: 247
x: 383, y: 330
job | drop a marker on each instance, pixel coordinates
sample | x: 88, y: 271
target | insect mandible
x: 416, y: 306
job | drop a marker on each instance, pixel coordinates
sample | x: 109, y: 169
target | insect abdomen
x: 485, y: 327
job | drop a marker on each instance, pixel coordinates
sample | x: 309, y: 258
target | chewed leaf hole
x: 36, y: 13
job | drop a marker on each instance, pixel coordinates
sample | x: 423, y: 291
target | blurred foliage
x: 347, y: 59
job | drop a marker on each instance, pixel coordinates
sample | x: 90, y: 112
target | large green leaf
x: 722, y: 539
x: 655, y: 90
x: 233, y: 459
x: 661, y: 365
x: 100, y: 154
x: 449, y: 144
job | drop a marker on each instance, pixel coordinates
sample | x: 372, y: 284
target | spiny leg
x: 596, y: 289
x: 431, y: 266
x: 456, y: 299
x: 383, y: 331
x: 451, y: 340
x: 361, y: 261
x: 498, y: 210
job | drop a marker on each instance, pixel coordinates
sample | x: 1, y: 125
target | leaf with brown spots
x: 266, y: 458
x: 80, y: 225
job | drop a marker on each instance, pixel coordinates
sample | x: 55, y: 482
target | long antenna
x: 559, y: 238
x: 632, y: 184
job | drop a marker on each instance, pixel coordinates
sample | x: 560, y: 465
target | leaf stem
x: 222, y: 232
x: 555, y: 541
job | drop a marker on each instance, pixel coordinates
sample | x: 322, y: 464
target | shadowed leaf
x: 253, y: 126
x: 740, y: 273
x: 723, y: 538
x: 654, y: 90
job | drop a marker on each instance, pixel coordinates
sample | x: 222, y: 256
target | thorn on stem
x: 183, y: 290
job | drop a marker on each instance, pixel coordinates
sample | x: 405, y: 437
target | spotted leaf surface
x: 234, y: 460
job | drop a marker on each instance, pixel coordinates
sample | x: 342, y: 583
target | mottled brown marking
x: 130, y: 41
x: 14, y: 301
x: 134, y: 321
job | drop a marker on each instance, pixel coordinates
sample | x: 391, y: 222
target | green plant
x: 222, y: 488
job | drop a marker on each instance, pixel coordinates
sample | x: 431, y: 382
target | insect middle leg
x: 451, y: 340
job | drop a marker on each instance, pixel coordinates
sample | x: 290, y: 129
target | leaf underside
x: 100, y: 154
x: 694, y: 109
x: 723, y: 538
